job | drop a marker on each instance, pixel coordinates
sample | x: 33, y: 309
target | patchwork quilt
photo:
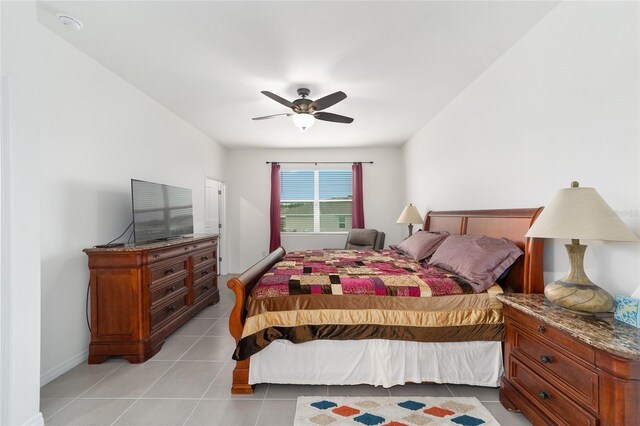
x: 351, y: 294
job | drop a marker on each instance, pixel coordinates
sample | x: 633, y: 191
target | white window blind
x: 315, y: 200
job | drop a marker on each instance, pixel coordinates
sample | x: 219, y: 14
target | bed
x: 335, y: 355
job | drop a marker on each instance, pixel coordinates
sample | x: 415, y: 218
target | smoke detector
x: 69, y: 21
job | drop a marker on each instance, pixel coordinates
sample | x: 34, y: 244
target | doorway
x: 214, y: 217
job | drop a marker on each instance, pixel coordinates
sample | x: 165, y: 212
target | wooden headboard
x: 525, y: 275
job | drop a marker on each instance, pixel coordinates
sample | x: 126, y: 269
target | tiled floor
x: 187, y: 383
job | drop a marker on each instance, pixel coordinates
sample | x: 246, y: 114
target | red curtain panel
x: 274, y: 240
x: 357, y: 218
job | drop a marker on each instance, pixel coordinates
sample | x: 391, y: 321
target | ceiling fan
x: 306, y: 111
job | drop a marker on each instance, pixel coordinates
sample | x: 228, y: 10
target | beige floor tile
x: 158, y: 412
x: 504, y: 416
x: 79, y: 379
x: 227, y: 297
x: 185, y: 379
x: 90, y: 412
x: 211, y: 349
x: 217, y: 391
x: 226, y: 412
x: 482, y: 393
x: 294, y: 391
x: 358, y: 390
x: 221, y: 328
x: 195, y: 327
x: 420, y: 389
x: 277, y: 413
x: 216, y: 311
x: 129, y: 381
x: 50, y: 406
x: 174, y: 347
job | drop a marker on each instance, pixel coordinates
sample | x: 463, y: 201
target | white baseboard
x: 36, y: 420
x: 63, y: 367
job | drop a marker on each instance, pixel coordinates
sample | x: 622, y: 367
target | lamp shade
x: 581, y: 214
x: 410, y: 214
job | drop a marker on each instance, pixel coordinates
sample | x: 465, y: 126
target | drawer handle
x: 195, y: 247
x: 171, y: 289
x: 170, y: 271
x: 205, y: 287
x: 155, y: 256
x: 205, y: 258
x: 546, y: 359
x: 544, y: 395
x: 186, y: 248
x: 542, y: 329
x: 171, y: 308
x: 205, y: 272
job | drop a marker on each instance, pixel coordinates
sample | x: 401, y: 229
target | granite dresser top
x: 600, y: 331
x: 185, y: 239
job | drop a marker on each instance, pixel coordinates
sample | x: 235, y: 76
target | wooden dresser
x: 141, y: 294
x: 562, y: 368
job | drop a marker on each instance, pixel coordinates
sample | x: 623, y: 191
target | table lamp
x: 577, y: 213
x: 410, y: 215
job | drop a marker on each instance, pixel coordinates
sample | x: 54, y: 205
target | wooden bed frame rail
x: 241, y: 287
x: 525, y: 274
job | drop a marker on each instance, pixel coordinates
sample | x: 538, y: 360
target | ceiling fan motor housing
x: 303, y: 92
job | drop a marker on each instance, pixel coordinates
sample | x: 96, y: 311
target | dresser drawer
x: 172, y: 253
x: 545, y: 360
x: 205, y: 270
x: 548, y: 398
x: 538, y: 328
x: 204, y: 287
x: 170, y: 308
x: 167, y: 288
x: 169, y: 271
x: 204, y: 256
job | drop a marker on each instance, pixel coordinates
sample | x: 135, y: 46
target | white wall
x: 20, y: 313
x: 562, y: 104
x: 97, y: 133
x: 249, y: 189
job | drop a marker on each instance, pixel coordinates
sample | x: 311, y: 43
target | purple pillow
x: 422, y: 244
x: 477, y: 258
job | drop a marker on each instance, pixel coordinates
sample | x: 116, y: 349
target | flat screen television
x: 160, y: 212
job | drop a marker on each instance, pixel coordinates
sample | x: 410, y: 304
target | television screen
x: 160, y: 212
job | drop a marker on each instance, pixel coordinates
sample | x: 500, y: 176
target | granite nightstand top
x: 600, y: 331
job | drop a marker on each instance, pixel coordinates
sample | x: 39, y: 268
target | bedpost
x: 241, y: 287
x: 534, y: 277
x: 240, y: 384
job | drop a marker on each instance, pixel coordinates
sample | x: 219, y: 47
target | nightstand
x: 567, y: 369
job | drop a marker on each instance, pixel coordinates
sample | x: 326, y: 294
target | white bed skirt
x: 377, y: 362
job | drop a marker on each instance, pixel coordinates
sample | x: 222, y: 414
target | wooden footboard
x: 241, y: 286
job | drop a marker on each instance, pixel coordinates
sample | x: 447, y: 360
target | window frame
x: 316, y: 202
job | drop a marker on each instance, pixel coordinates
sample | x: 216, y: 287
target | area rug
x: 391, y: 411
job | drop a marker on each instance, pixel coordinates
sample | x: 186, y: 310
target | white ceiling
x: 400, y: 63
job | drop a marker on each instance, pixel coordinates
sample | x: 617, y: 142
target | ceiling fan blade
x: 327, y: 101
x: 327, y: 116
x: 265, y: 117
x: 278, y: 99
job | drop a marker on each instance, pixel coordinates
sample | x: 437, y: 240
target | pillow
x: 422, y: 244
x: 476, y: 258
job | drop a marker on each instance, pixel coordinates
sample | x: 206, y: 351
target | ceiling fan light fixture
x: 303, y: 121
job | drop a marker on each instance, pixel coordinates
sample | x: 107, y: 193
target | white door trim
x: 222, y: 247
x: 5, y: 253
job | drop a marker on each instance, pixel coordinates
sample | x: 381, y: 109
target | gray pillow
x: 422, y: 244
x: 476, y: 258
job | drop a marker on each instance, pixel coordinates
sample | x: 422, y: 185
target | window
x: 315, y: 200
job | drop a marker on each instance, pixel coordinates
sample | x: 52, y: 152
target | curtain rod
x: 319, y: 162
